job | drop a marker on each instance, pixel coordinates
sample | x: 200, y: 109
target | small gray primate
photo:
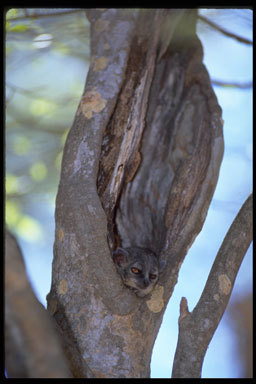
x: 138, y: 267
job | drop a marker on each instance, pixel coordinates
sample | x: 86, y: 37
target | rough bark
x: 140, y: 163
x: 196, y: 329
x: 32, y: 347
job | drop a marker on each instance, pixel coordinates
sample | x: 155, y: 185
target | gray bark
x: 141, y: 162
x: 32, y: 347
x: 196, y: 329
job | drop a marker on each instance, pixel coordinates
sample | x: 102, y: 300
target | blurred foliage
x: 38, y: 171
x: 11, y: 184
x: 29, y: 228
x: 12, y: 213
x: 47, y: 53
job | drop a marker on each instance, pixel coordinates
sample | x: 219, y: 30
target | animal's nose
x: 146, y: 282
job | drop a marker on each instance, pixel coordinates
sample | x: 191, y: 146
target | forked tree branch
x: 197, y: 328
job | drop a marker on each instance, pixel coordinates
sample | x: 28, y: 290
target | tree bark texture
x: 140, y: 164
x: 32, y: 347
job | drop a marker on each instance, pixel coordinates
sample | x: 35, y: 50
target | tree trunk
x: 140, y: 164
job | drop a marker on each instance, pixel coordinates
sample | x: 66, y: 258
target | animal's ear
x: 120, y: 256
x: 162, y: 264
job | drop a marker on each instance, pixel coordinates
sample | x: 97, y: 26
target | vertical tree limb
x: 32, y: 347
x: 197, y: 328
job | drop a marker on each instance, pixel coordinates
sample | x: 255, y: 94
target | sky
x: 227, y: 60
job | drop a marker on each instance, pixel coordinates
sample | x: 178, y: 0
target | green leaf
x: 64, y: 136
x: 11, y: 13
x: 40, y: 107
x: 29, y: 228
x: 18, y: 28
x: 11, y: 184
x: 8, y: 50
x: 12, y: 213
x: 38, y: 171
x: 62, y: 48
x: 21, y: 145
x: 58, y: 161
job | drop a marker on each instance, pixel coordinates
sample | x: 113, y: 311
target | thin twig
x: 224, y: 31
x: 227, y: 84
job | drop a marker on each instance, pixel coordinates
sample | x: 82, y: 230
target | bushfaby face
x: 138, y: 268
x: 141, y: 277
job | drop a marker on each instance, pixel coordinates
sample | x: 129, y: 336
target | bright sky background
x: 227, y: 60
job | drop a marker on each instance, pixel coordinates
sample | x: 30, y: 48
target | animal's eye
x: 153, y: 276
x: 135, y: 270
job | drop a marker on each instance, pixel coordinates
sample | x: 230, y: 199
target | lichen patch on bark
x: 156, y: 303
x: 92, y: 102
x: 60, y: 234
x: 224, y: 284
x: 63, y: 287
x: 100, y: 64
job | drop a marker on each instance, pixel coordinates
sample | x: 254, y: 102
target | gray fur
x: 142, y: 260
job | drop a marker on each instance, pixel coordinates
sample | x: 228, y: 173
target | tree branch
x: 224, y: 31
x: 32, y: 348
x: 197, y: 328
x: 227, y: 84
